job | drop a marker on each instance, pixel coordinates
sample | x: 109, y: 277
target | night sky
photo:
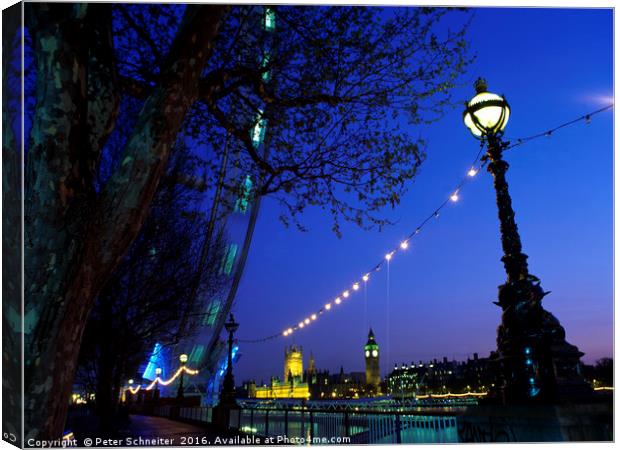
x: 552, y: 65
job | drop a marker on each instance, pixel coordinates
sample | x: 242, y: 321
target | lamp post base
x: 537, y: 364
x: 227, y: 395
x: 228, y: 399
x: 227, y: 403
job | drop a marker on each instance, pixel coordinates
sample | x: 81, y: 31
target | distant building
x: 293, y: 385
x: 311, y: 367
x: 279, y: 389
x: 371, y: 355
x: 293, y: 363
x: 442, y: 377
x: 403, y: 382
x: 319, y: 384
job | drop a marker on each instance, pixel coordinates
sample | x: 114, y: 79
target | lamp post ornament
x: 227, y: 397
x: 537, y: 364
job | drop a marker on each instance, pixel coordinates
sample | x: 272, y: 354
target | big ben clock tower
x: 371, y: 354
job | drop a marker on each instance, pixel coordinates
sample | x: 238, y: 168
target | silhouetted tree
x: 604, y: 371
x: 157, y: 293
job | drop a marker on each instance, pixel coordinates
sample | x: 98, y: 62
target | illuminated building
x: 293, y: 385
x: 442, y: 377
x: 278, y: 389
x: 319, y: 384
x: 293, y: 363
x: 371, y: 355
x: 403, y: 382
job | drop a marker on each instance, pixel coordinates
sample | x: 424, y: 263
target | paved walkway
x: 149, y: 430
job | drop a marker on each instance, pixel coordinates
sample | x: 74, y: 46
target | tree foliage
x: 335, y: 87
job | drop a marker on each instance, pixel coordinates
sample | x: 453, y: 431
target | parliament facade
x: 313, y: 384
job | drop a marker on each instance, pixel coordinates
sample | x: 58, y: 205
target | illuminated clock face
x: 375, y: 353
x: 367, y: 353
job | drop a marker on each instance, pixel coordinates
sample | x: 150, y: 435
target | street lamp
x: 130, y: 383
x: 227, y: 396
x: 183, y: 361
x: 157, y: 375
x: 537, y: 364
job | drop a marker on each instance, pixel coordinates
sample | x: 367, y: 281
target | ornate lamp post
x: 183, y: 361
x: 131, y: 395
x: 537, y: 364
x: 227, y: 397
x: 157, y: 375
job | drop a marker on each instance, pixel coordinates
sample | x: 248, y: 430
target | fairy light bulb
x: 404, y: 245
x: 388, y: 256
x: 455, y: 197
x: 356, y: 286
x: 285, y: 333
x: 313, y: 317
x: 300, y: 324
x: 472, y: 172
x: 328, y: 306
x: 307, y: 321
x: 337, y: 301
x: 365, y: 277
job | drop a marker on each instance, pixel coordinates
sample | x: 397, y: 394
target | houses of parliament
x: 320, y: 384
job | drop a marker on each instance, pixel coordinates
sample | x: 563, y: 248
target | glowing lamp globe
x: 486, y: 113
x: 183, y: 358
x: 158, y: 371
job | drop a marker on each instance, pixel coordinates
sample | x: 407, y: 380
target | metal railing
x: 197, y: 414
x: 200, y: 414
x: 355, y: 427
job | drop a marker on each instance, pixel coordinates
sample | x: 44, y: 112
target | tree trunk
x: 75, y: 237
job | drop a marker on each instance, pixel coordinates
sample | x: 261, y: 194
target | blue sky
x: 552, y: 65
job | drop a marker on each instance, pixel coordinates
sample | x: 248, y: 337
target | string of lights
x: 477, y: 164
x: 158, y: 380
x: 548, y: 133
